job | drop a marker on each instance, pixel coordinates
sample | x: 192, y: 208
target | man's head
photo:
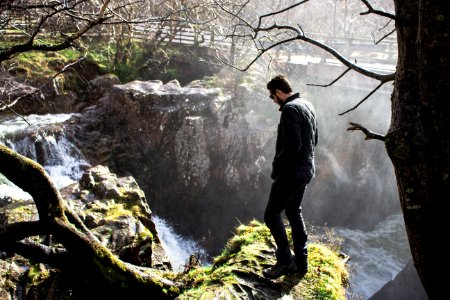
x: 280, y: 89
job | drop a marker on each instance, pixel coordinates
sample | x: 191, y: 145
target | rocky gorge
x: 201, y: 153
x: 207, y: 148
x: 116, y: 211
x: 191, y: 148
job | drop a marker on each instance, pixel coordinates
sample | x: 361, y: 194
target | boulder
x: 405, y: 286
x: 113, y: 208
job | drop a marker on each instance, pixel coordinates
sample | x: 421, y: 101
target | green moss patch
x: 237, y: 272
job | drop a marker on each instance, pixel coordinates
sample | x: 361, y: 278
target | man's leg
x: 273, y: 220
x: 299, y: 234
x: 272, y: 217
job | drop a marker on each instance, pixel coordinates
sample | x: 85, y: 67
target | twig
x: 9, y: 105
x: 385, y: 36
x: 280, y: 11
x: 385, y: 25
x: 371, y: 10
x: 369, y: 134
x: 331, y: 83
x: 364, y: 99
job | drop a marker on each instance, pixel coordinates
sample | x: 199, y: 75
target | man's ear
x: 279, y: 94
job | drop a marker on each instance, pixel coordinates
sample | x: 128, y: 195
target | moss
x: 38, y: 279
x: 39, y: 64
x: 22, y: 212
x: 249, y: 252
x: 136, y: 210
x: 37, y: 273
x: 328, y: 274
x: 144, y: 235
x: 106, y: 268
x: 115, y: 211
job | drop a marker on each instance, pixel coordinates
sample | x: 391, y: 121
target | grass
x: 242, y: 260
x: 38, y: 64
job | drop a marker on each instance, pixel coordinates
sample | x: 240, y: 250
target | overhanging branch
x: 369, y: 134
x: 299, y: 35
x: 364, y: 99
x: 371, y: 10
x: 331, y: 83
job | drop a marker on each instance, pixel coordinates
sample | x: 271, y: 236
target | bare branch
x: 301, y: 36
x: 279, y: 11
x: 364, y: 99
x: 96, y: 21
x: 331, y: 83
x: 385, y: 36
x: 20, y: 230
x: 56, y: 257
x: 371, y: 10
x: 369, y: 134
x: 10, y: 105
x: 31, y: 44
x: 381, y: 77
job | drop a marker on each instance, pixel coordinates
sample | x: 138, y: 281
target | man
x: 292, y: 169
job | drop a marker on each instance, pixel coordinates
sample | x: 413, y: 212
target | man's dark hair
x: 281, y: 83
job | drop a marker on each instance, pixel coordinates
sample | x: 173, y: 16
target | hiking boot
x: 301, y: 263
x: 279, y: 270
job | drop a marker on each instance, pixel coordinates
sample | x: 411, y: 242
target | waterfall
x: 44, y: 141
x: 46, y: 144
x: 178, y: 248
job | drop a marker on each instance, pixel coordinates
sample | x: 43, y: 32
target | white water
x: 376, y: 256
x: 63, y: 161
x: 177, y: 248
x: 11, y: 125
x: 64, y: 165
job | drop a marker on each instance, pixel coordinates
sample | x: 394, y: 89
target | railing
x: 383, y: 52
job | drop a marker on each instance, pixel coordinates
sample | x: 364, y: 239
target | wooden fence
x: 383, y: 52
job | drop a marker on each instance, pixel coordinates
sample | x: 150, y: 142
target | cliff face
x: 195, y: 151
x: 203, y: 156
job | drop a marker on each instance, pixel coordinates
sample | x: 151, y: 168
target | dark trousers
x: 287, y: 195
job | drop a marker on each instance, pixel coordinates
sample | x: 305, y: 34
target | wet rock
x: 405, y: 286
x: 113, y: 208
x: 117, y: 212
x: 190, y: 148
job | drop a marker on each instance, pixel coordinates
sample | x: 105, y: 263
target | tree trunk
x: 418, y: 141
x: 83, y: 254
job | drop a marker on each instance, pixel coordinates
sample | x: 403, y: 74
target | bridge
x: 378, y: 56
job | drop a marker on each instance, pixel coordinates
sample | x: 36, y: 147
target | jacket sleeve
x: 290, y: 131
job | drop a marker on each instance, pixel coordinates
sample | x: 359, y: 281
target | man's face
x: 273, y: 96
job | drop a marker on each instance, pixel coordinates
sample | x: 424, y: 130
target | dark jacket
x: 296, y: 140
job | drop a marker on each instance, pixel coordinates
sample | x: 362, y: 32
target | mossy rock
x: 237, y: 272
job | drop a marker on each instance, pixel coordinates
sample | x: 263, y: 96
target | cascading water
x: 178, y: 248
x: 376, y: 256
x: 43, y: 140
